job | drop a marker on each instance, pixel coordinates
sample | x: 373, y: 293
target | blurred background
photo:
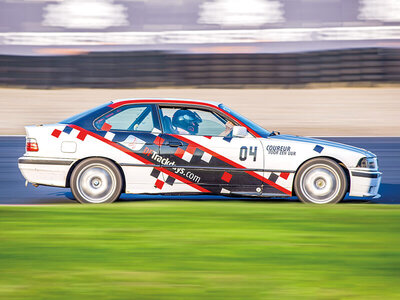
x: 151, y: 43
x: 322, y: 67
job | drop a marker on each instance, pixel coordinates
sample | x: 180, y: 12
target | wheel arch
x: 340, y: 163
x: 76, y: 163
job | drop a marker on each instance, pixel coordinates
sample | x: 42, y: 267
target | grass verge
x: 200, y: 250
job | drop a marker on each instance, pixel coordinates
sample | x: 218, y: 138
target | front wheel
x: 321, y: 181
x: 95, y: 181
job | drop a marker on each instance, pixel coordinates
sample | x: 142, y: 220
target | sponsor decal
x: 182, y: 171
x: 157, y: 157
x: 280, y: 150
x: 133, y: 143
x: 164, y: 161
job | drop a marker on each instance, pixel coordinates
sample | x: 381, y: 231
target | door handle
x: 175, y: 144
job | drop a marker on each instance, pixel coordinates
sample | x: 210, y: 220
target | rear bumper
x: 45, y: 171
x: 364, y: 183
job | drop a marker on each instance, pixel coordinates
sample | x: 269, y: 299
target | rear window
x: 128, y: 118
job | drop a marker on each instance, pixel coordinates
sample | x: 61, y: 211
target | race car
x: 182, y: 146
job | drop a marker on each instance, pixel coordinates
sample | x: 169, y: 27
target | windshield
x: 257, y: 128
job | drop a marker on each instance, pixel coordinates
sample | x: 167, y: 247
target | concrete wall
x: 346, y: 111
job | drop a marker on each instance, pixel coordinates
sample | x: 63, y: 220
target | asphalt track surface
x: 13, y: 190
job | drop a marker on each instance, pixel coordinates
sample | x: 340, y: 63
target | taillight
x: 32, y: 145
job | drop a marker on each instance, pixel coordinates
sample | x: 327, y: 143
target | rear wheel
x: 321, y: 181
x: 95, y: 181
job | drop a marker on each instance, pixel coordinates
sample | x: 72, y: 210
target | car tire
x: 321, y: 181
x: 96, y: 181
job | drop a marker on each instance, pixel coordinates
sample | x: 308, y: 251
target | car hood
x: 322, y: 143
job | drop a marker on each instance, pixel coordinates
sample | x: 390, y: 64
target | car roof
x: 169, y: 100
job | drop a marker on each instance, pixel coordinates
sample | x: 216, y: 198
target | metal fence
x: 154, y: 69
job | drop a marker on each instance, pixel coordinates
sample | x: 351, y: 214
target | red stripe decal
x: 232, y: 163
x: 138, y: 157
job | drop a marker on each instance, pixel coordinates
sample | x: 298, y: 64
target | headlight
x: 368, y: 163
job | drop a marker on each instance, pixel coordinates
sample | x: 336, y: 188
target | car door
x: 205, y: 156
x: 135, y: 129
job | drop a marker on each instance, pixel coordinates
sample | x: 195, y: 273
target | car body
x: 137, y: 146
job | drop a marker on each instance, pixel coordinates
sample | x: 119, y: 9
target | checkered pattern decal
x: 186, y: 155
x: 123, y: 138
x: 67, y: 130
x: 275, y: 176
x: 280, y: 178
x: 160, y: 179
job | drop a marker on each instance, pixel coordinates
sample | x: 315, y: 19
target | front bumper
x: 45, y: 171
x: 364, y: 183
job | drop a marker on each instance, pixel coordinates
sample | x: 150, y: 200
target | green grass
x: 200, y: 250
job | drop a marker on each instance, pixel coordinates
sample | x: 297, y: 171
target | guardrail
x: 153, y: 69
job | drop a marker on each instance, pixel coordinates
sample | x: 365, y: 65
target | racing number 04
x: 244, y: 152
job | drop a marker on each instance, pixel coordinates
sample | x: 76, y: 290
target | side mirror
x: 239, y: 131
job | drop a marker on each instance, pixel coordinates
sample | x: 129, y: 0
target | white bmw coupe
x: 187, y: 146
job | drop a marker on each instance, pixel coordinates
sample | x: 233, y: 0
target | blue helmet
x: 187, y: 120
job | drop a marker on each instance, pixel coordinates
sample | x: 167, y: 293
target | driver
x: 228, y: 129
x: 186, y: 121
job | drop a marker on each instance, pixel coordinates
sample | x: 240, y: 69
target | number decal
x: 243, y: 153
x: 252, y: 152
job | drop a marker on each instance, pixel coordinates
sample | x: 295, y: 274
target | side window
x: 179, y: 120
x: 128, y: 118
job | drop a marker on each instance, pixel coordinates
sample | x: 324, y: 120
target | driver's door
x: 208, y: 161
